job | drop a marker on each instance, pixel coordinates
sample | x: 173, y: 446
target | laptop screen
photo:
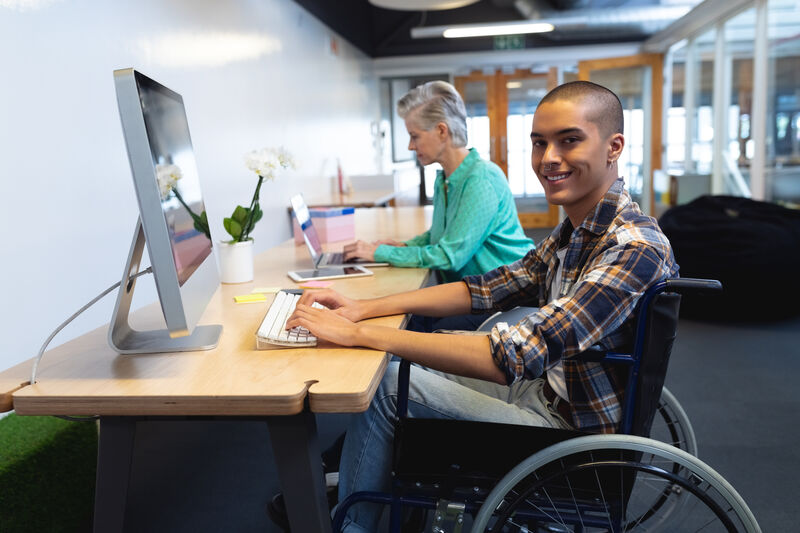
x: 303, y: 218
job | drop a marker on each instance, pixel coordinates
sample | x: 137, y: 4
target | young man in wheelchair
x: 585, y: 279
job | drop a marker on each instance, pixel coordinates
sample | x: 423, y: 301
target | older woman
x: 475, y: 226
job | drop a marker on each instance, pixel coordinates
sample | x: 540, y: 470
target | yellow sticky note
x: 267, y: 290
x: 249, y: 298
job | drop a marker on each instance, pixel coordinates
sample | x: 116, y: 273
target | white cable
x: 70, y: 319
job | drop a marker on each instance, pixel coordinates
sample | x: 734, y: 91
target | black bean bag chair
x: 752, y: 247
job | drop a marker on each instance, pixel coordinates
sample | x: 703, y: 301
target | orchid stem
x: 192, y: 213
x: 248, y: 225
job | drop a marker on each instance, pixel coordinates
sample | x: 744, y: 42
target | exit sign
x: 509, y: 42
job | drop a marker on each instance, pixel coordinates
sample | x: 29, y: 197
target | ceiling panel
x: 380, y: 32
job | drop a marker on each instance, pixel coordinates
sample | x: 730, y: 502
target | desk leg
x: 114, y: 457
x: 297, y: 454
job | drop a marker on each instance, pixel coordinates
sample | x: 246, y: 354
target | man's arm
x: 465, y: 355
x: 439, y: 300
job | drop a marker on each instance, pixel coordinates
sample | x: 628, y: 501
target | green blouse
x: 475, y: 226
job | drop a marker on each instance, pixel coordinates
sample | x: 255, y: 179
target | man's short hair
x: 606, y: 108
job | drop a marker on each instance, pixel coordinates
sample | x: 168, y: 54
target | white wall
x: 252, y: 73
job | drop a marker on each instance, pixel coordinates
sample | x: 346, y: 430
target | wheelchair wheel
x: 614, y: 483
x: 671, y: 425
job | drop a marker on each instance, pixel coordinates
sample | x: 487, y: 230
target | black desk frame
x: 297, y: 455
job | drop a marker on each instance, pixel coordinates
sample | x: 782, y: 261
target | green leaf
x: 201, y: 223
x: 257, y: 214
x: 232, y: 227
x: 240, y: 214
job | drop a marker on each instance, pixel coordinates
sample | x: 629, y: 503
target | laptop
x: 320, y: 258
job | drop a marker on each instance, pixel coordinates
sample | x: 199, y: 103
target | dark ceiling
x: 382, y: 32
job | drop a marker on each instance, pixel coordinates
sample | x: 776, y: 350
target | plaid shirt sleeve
x: 619, y: 267
x: 602, y: 300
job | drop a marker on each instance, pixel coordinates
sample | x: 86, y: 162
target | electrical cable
x: 147, y: 270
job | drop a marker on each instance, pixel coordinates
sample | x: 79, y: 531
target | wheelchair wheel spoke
x: 618, y: 489
x: 602, y: 496
x: 545, y: 513
x: 555, y: 507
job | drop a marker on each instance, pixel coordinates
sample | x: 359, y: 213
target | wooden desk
x: 358, y: 198
x: 86, y: 377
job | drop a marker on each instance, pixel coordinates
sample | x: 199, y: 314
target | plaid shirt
x: 611, y: 259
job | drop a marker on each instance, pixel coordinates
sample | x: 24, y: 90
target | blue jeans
x: 367, y: 454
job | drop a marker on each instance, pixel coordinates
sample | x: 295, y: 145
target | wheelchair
x: 523, y: 479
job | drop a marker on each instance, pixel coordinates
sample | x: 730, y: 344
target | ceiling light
x: 513, y: 85
x: 421, y: 5
x: 485, y: 30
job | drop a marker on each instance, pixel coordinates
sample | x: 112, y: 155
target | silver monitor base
x: 126, y: 340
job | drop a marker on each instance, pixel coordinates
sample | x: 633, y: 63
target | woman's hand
x: 360, y: 250
x: 352, y: 310
x: 324, y: 324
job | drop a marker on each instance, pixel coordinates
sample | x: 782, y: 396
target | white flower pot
x: 236, y: 261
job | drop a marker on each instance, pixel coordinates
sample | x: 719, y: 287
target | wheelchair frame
x: 633, y: 446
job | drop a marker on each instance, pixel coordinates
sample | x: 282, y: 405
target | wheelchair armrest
x: 593, y: 354
x: 692, y: 284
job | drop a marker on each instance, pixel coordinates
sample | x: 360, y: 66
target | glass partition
x: 737, y: 153
x: 676, y: 116
x: 632, y: 85
x: 703, y: 130
x: 783, y: 103
x: 523, y: 97
x: 476, y: 101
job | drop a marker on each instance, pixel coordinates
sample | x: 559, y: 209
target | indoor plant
x: 236, y: 255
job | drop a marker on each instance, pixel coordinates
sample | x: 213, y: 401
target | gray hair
x: 437, y: 101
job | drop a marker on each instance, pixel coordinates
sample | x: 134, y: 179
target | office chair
x: 573, y: 481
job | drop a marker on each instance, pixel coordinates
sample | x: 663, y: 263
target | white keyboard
x: 273, y: 327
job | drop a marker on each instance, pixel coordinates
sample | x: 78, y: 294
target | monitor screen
x: 171, y: 208
x: 176, y: 174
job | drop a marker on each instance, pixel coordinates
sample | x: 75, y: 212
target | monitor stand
x: 126, y: 340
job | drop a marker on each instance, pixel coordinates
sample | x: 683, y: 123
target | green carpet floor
x: 47, y: 474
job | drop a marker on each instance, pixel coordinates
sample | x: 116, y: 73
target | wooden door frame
x: 497, y: 111
x: 656, y: 64
x: 491, y: 104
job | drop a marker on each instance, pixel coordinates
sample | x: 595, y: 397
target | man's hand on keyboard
x: 341, y: 305
x: 324, y: 324
x: 360, y: 250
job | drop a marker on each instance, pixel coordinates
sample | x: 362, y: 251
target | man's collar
x: 601, y: 215
x: 599, y: 218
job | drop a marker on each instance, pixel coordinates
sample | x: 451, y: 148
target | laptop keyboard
x: 273, y: 327
x: 332, y: 258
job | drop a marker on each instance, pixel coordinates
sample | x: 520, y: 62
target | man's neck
x: 578, y: 213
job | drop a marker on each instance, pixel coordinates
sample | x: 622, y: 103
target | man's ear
x: 615, y: 145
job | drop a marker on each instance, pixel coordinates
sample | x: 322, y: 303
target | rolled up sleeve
x: 601, y: 301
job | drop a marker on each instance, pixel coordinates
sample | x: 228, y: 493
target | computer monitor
x: 167, y: 189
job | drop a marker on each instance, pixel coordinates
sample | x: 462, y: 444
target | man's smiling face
x: 572, y: 157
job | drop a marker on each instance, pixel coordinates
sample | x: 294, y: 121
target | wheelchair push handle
x: 693, y: 284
